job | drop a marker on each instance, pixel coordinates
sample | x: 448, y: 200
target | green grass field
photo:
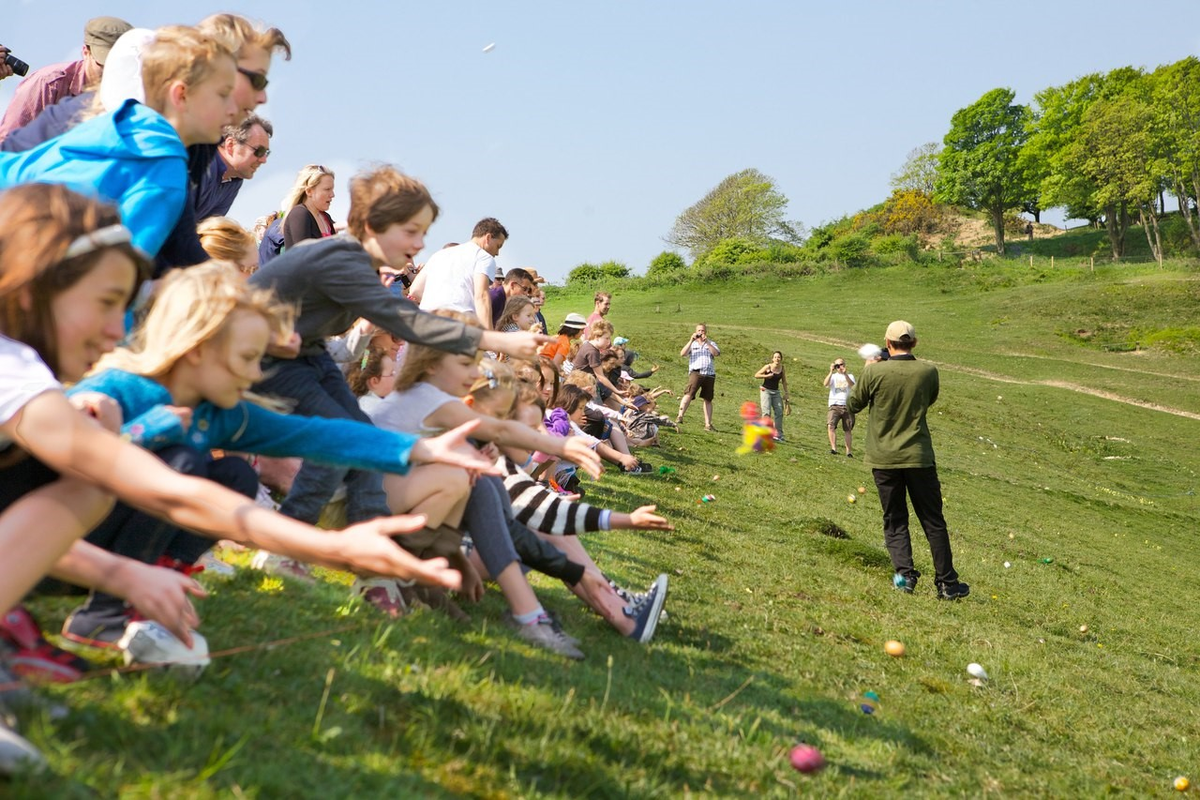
x: 1065, y: 432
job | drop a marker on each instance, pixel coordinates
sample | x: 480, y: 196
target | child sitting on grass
x: 181, y: 385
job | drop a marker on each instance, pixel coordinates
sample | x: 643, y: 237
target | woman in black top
x: 770, y: 397
x: 306, y: 207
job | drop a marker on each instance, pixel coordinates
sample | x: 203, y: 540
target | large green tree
x: 746, y: 204
x: 1176, y: 104
x: 980, y: 164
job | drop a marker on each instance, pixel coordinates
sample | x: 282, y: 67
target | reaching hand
x: 452, y: 448
x: 644, y: 518
x: 472, y: 584
x: 518, y: 344
x: 99, y: 407
x: 164, y: 596
x: 184, y: 413
x: 366, y: 548
x: 288, y: 348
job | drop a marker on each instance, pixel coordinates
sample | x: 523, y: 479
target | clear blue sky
x: 590, y: 127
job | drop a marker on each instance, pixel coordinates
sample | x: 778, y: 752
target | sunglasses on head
x: 258, y: 80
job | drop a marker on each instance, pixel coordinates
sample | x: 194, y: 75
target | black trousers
x: 898, y: 486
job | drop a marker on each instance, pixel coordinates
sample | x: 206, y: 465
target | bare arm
x: 519, y: 344
x: 483, y: 301
x: 765, y: 372
x: 50, y: 429
x: 509, y: 433
x: 417, y: 290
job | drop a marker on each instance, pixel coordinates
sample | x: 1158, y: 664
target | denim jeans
x: 770, y: 403
x: 921, y: 485
x: 318, y: 389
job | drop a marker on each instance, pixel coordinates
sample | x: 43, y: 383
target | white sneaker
x: 148, y: 642
x: 216, y: 566
x: 16, y: 753
x: 279, y: 565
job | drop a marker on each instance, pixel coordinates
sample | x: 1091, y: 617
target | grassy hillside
x: 1053, y: 444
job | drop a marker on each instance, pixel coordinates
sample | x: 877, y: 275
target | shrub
x: 666, y: 263
x: 584, y: 273
x: 851, y: 250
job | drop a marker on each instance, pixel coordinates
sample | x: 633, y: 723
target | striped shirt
x: 542, y: 510
x: 700, y: 357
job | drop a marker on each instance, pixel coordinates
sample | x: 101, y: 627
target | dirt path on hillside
x: 994, y: 376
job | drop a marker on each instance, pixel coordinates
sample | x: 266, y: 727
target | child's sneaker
x: 99, y: 623
x: 29, y: 655
x: 16, y: 754
x: 148, y: 642
x: 382, y: 593
x: 544, y: 634
x: 278, y: 565
x: 647, y: 614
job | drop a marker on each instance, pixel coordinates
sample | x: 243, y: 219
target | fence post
x: 1092, y: 259
x: 1031, y: 262
x: 1051, y: 262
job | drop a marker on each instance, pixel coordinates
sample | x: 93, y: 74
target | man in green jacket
x: 899, y: 451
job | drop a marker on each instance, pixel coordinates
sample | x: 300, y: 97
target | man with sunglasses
x: 244, y: 148
x: 839, y: 382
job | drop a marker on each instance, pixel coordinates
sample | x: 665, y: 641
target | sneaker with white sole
x: 16, y: 754
x: 279, y: 565
x: 148, y: 642
x: 382, y: 593
x: 545, y: 634
x: 646, y: 615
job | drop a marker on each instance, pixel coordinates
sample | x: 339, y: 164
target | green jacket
x: 898, y: 391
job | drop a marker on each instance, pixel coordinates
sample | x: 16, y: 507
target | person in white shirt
x: 839, y: 382
x: 458, y: 278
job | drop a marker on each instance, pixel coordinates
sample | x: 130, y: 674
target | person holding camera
x: 9, y: 63
x: 702, y: 373
x: 46, y: 86
x: 839, y: 382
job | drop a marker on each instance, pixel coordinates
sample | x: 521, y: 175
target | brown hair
x: 419, y: 358
x: 601, y: 296
x: 527, y: 395
x: 512, y: 307
x: 40, y: 222
x: 489, y: 226
x: 236, y: 33
x: 179, y: 53
x: 584, y: 380
x: 495, y: 376
x: 367, y: 368
x: 571, y: 398
x: 548, y: 363
x: 384, y: 196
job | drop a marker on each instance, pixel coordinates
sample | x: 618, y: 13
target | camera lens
x: 19, y: 67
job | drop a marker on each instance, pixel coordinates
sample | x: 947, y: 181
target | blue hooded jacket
x: 131, y: 157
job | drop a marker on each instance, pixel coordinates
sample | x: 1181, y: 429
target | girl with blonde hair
x: 181, y: 386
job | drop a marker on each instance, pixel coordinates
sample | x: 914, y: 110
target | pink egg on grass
x: 806, y: 758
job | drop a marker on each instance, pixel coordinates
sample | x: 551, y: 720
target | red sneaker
x: 31, y: 656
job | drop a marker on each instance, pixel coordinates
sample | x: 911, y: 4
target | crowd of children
x: 133, y: 450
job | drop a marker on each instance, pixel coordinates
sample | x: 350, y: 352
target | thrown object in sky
x: 489, y: 48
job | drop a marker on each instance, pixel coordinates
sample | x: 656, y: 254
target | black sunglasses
x: 258, y: 80
x: 262, y: 152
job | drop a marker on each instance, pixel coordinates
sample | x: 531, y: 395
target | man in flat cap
x: 48, y: 85
x: 899, y: 451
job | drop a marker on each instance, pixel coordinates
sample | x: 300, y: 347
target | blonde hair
x: 179, y: 53
x: 191, y: 307
x: 306, y: 180
x: 237, y: 33
x: 600, y: 327
x: 494, y: 377
x: 419, y: 359
x: 224, y: 239
x: 384, y: 196
x: 584, y: 380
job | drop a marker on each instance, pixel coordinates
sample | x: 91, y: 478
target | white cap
x: 122, y: 78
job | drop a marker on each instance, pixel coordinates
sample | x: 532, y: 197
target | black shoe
x: 833, y: 452
x: 849, y: 455
x: 903, y: 584
x: 953, y: 591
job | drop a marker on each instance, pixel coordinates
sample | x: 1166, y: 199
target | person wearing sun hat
x: 48, y: 85
x: 559, y: 350
x: 899, y: 451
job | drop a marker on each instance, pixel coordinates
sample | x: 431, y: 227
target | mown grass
x: 775, y: 626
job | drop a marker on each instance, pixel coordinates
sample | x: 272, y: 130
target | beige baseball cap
x: 900, y: 331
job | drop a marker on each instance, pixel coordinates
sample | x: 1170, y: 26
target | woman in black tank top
x: 770, y: 397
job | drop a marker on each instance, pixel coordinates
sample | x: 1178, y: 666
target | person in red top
x: 603, y: 303
x: 48, y: 85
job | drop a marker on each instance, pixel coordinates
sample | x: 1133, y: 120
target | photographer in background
x: 702, y: 373
x: 839, y: 382
x: 5, y: 69
x: 46, y: 86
